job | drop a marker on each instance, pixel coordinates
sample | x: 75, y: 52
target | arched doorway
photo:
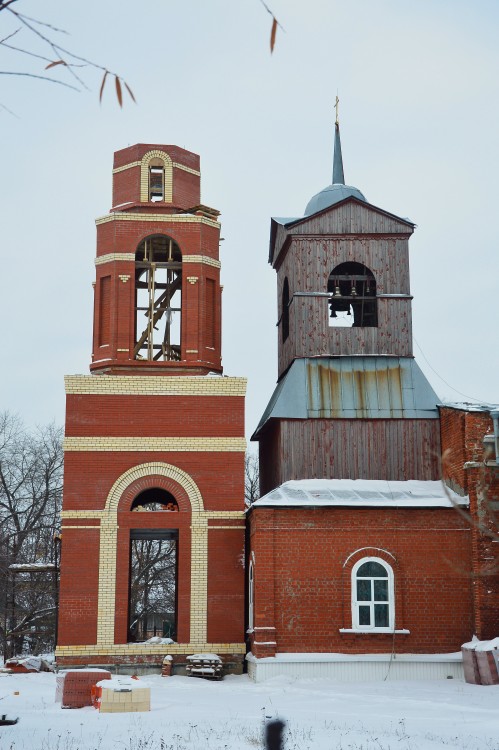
x: 152, y: 598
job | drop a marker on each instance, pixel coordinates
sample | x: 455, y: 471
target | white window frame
x: 356, y: 626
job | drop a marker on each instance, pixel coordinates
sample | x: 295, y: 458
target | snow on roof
x: 33, y: 567
x: 377, y: 493
x: 468, y: 406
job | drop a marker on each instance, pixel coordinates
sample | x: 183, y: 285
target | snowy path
x: 189, y: 714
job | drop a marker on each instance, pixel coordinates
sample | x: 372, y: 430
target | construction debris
x: 204, y: 665
x: 122, y: 695
x: 74, y: 687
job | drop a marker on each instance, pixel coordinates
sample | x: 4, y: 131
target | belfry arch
x: 353, y: 290
x: 158, y: 299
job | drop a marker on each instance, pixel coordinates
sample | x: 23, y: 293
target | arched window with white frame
x: 251, y: 593
x: 373, y: 595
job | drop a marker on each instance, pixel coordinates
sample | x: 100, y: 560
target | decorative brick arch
x: 171, y: 234
x: 108, y: 547
x: 154, y: 481
x: 385, y: 556
x: 149, y: 470
x: 144, y: 175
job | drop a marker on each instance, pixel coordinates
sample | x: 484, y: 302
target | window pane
x: 373, y: 569
x: 364, y: 615
x: 381, y: 615
x: 364, y: 591
x: 381, y: 591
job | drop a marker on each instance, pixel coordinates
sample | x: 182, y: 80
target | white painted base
x: 358, y: 667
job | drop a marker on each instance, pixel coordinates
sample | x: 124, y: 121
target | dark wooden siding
x: 392, y: 449
x: 351, y: 218
x: 308, y: 264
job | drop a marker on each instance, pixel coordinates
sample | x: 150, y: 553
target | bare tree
x: 251, y: 478
x: 40, y: 41
x: 152, y: 588
x: 30, y: 503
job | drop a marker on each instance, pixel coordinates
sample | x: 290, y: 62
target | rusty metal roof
x: 359, y: 387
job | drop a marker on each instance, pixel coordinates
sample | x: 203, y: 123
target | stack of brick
x: 470, y: 663
x: 204, y: 665
x: 124, y: 695
x: 487, y: 657
x: 481, y: 662
x: 74, y: 687
x: 166, y: 668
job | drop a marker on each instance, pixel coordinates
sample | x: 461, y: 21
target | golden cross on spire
x: 336, y: 108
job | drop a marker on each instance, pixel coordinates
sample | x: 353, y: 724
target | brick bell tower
x: 153, y: 511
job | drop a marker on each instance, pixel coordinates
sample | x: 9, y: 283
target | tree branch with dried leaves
x: 54, y: 54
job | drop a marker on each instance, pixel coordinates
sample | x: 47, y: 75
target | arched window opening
x: 156, y: 180
x: 285, y: 310
x: 158, y: 299
x: 153, y: 573
x: 372, y: 595
x: 155, y: 499
x: 251, y: 594
x: 353, y: 300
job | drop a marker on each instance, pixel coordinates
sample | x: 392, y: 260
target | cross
x: 336, y: 108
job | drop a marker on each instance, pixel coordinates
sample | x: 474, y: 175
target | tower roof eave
x: 291, y: 222
x: 295, y: 397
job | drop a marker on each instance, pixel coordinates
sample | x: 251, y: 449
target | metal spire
x: 338, y: 176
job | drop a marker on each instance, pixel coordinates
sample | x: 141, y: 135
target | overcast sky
x: 419, y: 90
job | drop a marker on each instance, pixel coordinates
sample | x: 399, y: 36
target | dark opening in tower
x: 153, y: 571
x: 285, y: 310
x: 156, y: 181
x: 353, y: 296
x: 158, y: 299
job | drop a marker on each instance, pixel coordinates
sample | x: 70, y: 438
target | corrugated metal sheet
x: 353, y: 388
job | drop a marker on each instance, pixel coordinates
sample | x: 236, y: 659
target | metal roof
x: 377, y: 493
x: 355, y: 387
x: 331, y: 195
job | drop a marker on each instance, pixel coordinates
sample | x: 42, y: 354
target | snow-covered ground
x: 193, y: 714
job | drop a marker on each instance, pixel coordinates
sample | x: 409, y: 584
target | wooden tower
x: 153, y: 513
x: 350, y: 401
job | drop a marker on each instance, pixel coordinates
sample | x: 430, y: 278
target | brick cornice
x: 155, y: 444
x: 163, y: 218
x: 159, y: 385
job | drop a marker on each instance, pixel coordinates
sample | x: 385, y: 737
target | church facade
x: 357, y: 561
x: 361, y: 561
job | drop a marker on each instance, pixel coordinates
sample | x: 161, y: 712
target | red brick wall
x: 303, y: 562
x: 466, y: 470
x: 200, y: 327
x: 89, y: 477
x: 226, y: 582
x: 154, y: 416
x: 126, y: 184
x: 79, y: 584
